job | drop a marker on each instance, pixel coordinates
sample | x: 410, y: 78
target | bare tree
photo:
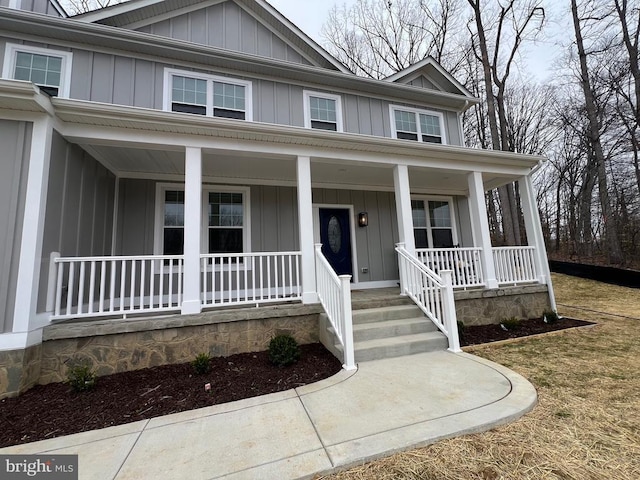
x: 376, y: 38
x: 594, y: 136
x: 77, y: 7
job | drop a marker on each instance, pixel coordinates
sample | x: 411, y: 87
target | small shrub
x: 81, y: 377
x: 202, y: 363
x: 283, y: 350
x: 461, y: 326
x: 510, y: 323
x: 549, y: 316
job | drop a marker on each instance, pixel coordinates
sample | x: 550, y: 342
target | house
x: 164, y: 161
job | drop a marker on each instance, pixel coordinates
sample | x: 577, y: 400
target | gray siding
x: 79, y: 213
x: 4, y: 3
x: 15, y: 138
x: 136, y: 216
x: 228, y: 26
x: 39, y: 6
x: 375, y: 244
x: 463, y: 219
x: 422, y: 82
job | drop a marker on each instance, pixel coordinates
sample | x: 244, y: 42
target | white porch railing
x: 433, y: 293
x: 334, y: 293
x: 465, y: 263
x: 515, y: 264
x: 250, y: 278
x: 112, y: 285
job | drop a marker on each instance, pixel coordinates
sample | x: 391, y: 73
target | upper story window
x: 50, y: 70
x: 433, y: 223
x: 322, y: 111
x: 417, y: 125
x: 201, y: 94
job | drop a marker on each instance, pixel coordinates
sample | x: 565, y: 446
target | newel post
x: 347, y: 334
x: 51, y: 282
x: 402, y: 269
x: 450, y: 318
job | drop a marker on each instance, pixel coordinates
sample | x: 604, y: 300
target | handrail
x: 334, y: 293
x: 431, y: 292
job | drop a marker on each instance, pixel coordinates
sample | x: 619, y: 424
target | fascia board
x: 107, y: 115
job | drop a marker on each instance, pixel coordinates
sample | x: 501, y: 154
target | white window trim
x: 417, y: 112
x: 307, y: 107
x: 452, y: 214
x: 10, y: 54
x: 161, y: 188
x: 168, y: 87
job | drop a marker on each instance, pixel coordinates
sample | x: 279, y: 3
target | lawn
x: 587, y: 422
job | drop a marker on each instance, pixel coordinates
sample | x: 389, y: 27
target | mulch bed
x: 53, y: 410
x: 474, y: 335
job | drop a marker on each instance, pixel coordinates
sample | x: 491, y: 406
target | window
x: 224, y: 220
x: 50, y: 70
x: 433, y: 225
x: 417, y: 125
x: 322, y: 111
x: 200, y: 94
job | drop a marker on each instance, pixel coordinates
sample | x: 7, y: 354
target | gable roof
x: 125, y: 14
x: 433, y: 71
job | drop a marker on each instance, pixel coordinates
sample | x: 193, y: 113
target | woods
x: 584, y: 118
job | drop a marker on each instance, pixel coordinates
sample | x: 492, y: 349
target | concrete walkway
x: 383, y: 407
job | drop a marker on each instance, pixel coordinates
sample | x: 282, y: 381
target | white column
x: 535, y: 237
x: 403, y: 207
x: 24, y: 310
x: 192, y: 220
x: 305, y: 227
x: 480, y: 221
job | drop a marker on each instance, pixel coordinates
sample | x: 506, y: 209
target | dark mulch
x: 48, y: 411
x: 474, y: 335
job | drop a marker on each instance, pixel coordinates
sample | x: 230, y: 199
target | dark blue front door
x: 335, y: 236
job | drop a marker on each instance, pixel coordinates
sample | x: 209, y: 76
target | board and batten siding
x: 15, y: 138
x: 80, y: 202
x: 228, y: 26
x: 38, y: 6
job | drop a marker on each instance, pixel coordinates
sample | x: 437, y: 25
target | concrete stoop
x: 386, y: 332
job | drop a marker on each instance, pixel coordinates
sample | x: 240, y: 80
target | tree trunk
x: 611, y: 232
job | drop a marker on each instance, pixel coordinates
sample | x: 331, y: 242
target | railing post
x: 51, y: 282
x: 347, y: 334
x: 450, y: 318
x: 402, y: 270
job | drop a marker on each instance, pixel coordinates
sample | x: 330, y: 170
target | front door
x: 335, y: 236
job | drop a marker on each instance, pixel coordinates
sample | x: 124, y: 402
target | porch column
x: 480, y: 224
x: 403, y: 207
x: 24, y: 310
x: 305, y: 227
x: 192, y: 218
x: 535, y: 237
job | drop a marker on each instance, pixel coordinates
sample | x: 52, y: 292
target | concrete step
x: 381, y: 314
x: 379, y: 348
x: 392, y: 328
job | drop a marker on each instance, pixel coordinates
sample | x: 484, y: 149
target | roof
x: 124, y: 14
x: 431, y: 69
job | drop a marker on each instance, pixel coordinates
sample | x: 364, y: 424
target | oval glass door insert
x: 334, y: 234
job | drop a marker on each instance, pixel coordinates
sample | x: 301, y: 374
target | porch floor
x: 381, y: 408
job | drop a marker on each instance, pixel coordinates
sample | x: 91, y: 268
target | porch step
x: 386, y: 332
x: 392, y: 328
x: 380, y: 348
x: 398, y: 312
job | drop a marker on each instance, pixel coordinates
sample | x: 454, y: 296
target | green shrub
x: 549, y: 316
x: 202, y: 363
x: 81, y: 377
x: 283, y: 350
x: 460, y: 326
x: 511, y: 323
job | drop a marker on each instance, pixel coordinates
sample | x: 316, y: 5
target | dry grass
x: 587, y: 422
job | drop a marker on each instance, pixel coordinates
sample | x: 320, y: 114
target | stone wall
x: 19, y: 370
x: 485, y: 307
x: 142, y: 347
